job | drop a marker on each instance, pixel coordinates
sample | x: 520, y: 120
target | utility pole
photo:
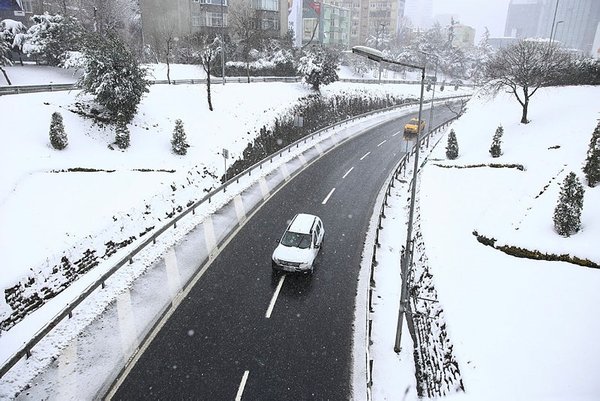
x: 406, y: 260
x: 222, y: 42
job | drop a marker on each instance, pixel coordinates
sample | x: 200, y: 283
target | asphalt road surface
x: 245, y: 333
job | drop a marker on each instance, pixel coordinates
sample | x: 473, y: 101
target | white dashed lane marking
x: 347, y: 172
x: 365, y: 155
x: 274, y: 298
x: 328, y: 196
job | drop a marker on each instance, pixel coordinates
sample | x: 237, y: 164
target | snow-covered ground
x: 521, y: 329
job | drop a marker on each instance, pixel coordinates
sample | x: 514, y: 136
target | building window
x: 215, y: 19
x: 27, y: 6
x: 268, y: 5
x: 215, y: 2
x: 196, y: 20
x: 270, y: 23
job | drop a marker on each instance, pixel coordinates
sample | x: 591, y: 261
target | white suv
x: 299, y: 245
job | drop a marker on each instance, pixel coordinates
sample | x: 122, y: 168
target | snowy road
x: 243, y: 333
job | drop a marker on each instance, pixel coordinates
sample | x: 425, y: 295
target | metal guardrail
x: 68, y: 310
x: 402, y: 165
x: 17, y: 89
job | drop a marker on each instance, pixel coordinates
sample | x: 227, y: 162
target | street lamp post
x: 222, y: 42
x: 406, y: 258
x: 432, y: 93
x: 553, y: 35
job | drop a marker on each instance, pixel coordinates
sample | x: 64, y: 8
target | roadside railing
x: 400, y: 168
x: 17, y: 89
x: 26, y: 349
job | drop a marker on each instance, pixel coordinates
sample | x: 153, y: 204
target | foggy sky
x: 476, y: 13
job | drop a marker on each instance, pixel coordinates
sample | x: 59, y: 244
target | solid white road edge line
x: 238, y: 396
x: 348, y: 172
x: 382, y: 143
x: 366, y: 154
x: 274, y: 298
x: 327, y: 197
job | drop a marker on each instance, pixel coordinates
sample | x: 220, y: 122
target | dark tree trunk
x: 524, y: 116
x: 210, y: 107
x: 168, y: 71
x: 5, y: 76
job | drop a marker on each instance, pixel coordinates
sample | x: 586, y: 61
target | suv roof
x: 302, y: 223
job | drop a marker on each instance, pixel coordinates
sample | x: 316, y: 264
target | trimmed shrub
x: 567, y: 214
x: 452, y: 146
x: 122, y: 135
x: 496, y: 148
x: 58, y: 137
x: 591, y: 169
x: 179, y: 142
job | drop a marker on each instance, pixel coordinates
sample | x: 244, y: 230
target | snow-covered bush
x: 591, y: 169
x: 122, y: 135
x: 11, y: 34
x: 179, y: 141
x: 319, y: 67
x: 452, y: 146
x: 58, y: 137
x: 113, y: 76
x: 567, y: 214
x: 496, y: 148
x: 51, y: 36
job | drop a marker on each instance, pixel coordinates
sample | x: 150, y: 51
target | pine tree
x: 319, y: 67
x: 179, y: 141
x: 496, y: 148
x: 122, y: 135
x: 567, y: 214
x: 452, y: 147
x: 592, y: 162
x: 58, y: 137
x: 113, y: 75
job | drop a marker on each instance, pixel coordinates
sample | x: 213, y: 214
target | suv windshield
x: 296, y: 240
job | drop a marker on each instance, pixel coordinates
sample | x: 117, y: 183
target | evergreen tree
x: 592, y: 162
x: 58, y: 137
x: 122, y: 135
x: 51, y: 37
x: 319, y: 67
x: 452, y: 146
x: 496, y: 148
x: 567, y: 214
x: 113, y: 76
x: 179, y: 141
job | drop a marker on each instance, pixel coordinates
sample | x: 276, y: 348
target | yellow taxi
x: 412, y: 127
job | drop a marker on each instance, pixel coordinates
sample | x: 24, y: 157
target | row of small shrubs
x: 495, y: 148
x: 567, y: 214
x: 317, y: 112
x: 59, y: 139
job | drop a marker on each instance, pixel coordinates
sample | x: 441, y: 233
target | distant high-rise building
x: 419, y: 13
x: 523, y: 19
x: 573, y: 23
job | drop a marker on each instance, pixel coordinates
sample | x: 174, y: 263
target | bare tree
x: 242, y: 20
x: 523, y: 68
x: 202, y: 49
x: 163, y: 43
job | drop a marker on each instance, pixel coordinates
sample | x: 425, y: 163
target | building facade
x: 185, y: 17
x: 572, y: 23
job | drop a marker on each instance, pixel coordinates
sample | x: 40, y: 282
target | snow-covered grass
x: 522, y: 329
